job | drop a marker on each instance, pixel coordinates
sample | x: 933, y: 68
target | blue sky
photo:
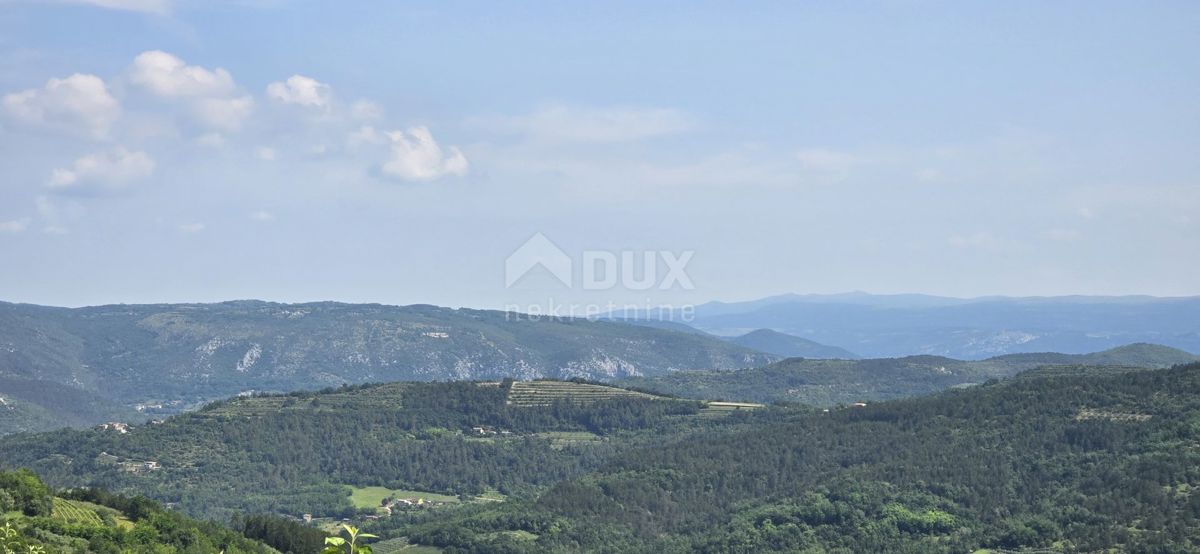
x: 398, y: 152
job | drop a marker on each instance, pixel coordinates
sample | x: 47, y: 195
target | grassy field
x: 542, y: 393
x: 400, y: 545
x: 372, y: 497
x: 492, y: 495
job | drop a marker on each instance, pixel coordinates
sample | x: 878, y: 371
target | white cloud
x: 211, y: 94
x: 415, y: 156
x: 262, y: 215
x: 191, y: 227
x: 364, y: 136
x: 145, y: 6
x: 618, y: 124
x: 302, y: 91
x: 366, y: 110
x: 265, y: 153
x: 223, y: 113
x: 110, y: 171
x: 80, y: 103
x: 167, y: 75
x: 14, y: 226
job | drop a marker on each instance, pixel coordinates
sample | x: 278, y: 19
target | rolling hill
x: 298, y: 453
x: 1083, y: 460
x: 162, y: 359
x: 1078, y: 463
x: 789, y: 346
x: 831, y: 382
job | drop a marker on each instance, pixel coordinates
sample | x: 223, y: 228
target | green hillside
x: 1135, y: 355
x: 300, y: 453
x: 34, y: 520
x: 1091, y: 463
x: 832, y: 382
x: 101, y: 363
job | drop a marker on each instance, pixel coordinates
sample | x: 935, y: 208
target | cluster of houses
x: 117, y: 426
x: 489, y: 431
x: 132, y: 466
x: 392, y: 504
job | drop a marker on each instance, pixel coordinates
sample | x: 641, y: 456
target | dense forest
x: 295, y: 453
x: 1072, y: 463
x: 1067, y: 458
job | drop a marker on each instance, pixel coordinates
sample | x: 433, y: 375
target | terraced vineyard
x: 72, y: 512
x: 544, y: 393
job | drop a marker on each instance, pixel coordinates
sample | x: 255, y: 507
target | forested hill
x: 296, y: 453
x: 1078, y: 463
x: 161, y: 358
x: 830, y: 382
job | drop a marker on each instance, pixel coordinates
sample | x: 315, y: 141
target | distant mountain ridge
x: 165, y: 357
x: 762, y: 340
x: 965, y: 328
x: 831, y: 382
x: 790, y: 346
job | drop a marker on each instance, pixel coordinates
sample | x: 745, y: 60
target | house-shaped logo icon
x: 538, y: 251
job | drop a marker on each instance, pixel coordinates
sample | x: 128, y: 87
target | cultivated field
x: 544, y: 393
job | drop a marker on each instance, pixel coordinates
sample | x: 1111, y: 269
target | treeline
x: 1067, y: 463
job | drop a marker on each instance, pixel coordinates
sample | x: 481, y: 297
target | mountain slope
x: 171, y: 356
x: 1056, y: 464
x: 789, y: 346
x: 36, y: 405
x: 831, y: 382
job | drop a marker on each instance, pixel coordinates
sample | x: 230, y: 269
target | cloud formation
x: 211, y: 94
x: 301, y: 91
x: 593, y: 125
x: 80, y: 103
x: 416, y: 156
x: 109, y: 171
